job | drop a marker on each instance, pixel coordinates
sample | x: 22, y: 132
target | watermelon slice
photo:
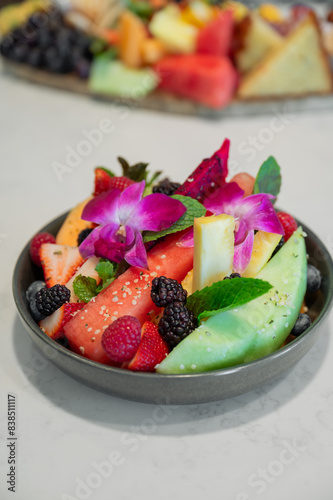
x: 128, y: 294
x: 216, y: 37
x: 208, y: 79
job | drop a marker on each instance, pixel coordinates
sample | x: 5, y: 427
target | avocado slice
x: 253, y: 330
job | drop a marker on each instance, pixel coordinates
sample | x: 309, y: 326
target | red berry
x: 121, y: 339
x: 288, y: 223
x: 70, y: 309
x: 152, y: 350
x: 121, y: 183
x: 35, y: 244
x: 102, y: 181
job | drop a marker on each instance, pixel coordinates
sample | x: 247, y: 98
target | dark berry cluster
x: 166, y: 187
x: 47, y: 300
x: 46, y: 41
x: 83, y: 234
x: 232, y: 276
x: 177, y: 321
x: 164, y: 291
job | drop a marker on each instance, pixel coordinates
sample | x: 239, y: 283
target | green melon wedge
x: 253, y: 330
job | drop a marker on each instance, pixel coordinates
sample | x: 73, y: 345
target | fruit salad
x: 208, y: 52
x: 154, y: 275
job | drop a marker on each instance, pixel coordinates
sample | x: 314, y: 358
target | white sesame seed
x: 181, y: 367
x: 103, y: 308
x: 193, y: 366
x: 112, y: 319
x: 163, y: 256
x: 82, y: 317
x: 134, y: 302
x: 209, y: 349
x: 89, y: 329
x: 97, y: 331
x: 124, y: 295
x: 115, y: 299
x: 136, y: 281
x: 127, y: 283
x: 286, y: 325
x: 158, y: 268
x: 81, y: 348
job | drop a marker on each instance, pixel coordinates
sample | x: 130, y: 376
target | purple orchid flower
x: 255, y: 212
x: 122, y: 216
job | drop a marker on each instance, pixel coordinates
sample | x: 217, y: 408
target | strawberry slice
x: 59, y: 263
x: 210, y: 174
x: 152, y: 350
x: 105, y: 180
x: 53, y: 325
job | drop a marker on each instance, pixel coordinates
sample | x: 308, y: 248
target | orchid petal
x: 243, y: 253
x: 225, y: 199
x: 259, y: 214
x: 103, y: 208
x: 187, y: 240
x: 87, y: 247
x: 108, y: 245
x: 137, y: 255
x: 129, y: 200
x: 156, y: 212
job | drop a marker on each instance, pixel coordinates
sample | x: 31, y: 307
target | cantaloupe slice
x: 213, y: 249
x: 132, y: 33
x: 73, y: 225
x: 264, y: 245
x: 152, y: 50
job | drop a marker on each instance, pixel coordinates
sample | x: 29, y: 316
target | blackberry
x: 279, y: 246
x: 314, y: 279
x: 63, y: 341
x: 164, y: 291
x: 232, y: 276
x: 83, y: 234
x: 176, y: 323
x: 48, y: 300
x: 166, y: 187
x: 302, y: 323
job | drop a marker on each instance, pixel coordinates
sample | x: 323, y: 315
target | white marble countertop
x: 76, y: 443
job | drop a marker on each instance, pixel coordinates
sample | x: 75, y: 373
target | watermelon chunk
x: 128, y: 294
x: 205, y: 78
x: 216, y: 37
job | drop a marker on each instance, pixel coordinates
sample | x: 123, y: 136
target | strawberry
x: 35, y: 244
x: 152, y: 350
x: 59, y: 263
x: 211, y: 173
x: 288, y: 223
x: 53, y: 325
x: 105, y: 180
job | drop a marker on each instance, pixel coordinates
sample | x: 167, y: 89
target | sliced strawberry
x: 288, y: 223
x: 35, y: 244
x: 53, y: 325
x: 210, y: 174
x: 152, y: 350
x: 59, y: 263
x: 104, y: 181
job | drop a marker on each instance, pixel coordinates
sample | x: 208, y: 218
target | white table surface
x: 272, y: 443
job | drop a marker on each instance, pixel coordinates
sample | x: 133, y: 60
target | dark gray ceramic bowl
x: 178, y: 389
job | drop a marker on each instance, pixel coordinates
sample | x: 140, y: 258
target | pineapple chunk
x: 264, y: 245
x: 187, y: 283
x: 213, y: 249
x: 177, y: 35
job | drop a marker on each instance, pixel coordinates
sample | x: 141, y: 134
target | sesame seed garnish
x: 163, y: 256
x: 136, y: 281
x: 97, y: 331
x: 115, y: 299
x: 81, y: 349
x: 134, y: 302
x: 114, y: 293
x: 286, y: 325
x: 209, y: 349
x: 127, y: 283
x: 181, y: 367
x: 193, y: 366
x: 89, y: 329
x: 93, y: 339
x: 158, y: 268
x: 124, y: 295
x: 112, y: 319
x: 82, y: 317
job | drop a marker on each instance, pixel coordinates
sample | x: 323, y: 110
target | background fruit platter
x: 193, y: 57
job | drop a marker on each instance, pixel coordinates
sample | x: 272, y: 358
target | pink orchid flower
x: 255, y: 212
x: 122, y: 216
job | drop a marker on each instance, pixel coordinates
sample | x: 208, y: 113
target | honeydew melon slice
x: 253, y: 330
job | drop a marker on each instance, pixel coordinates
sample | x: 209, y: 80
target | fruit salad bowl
x: 178, y: 389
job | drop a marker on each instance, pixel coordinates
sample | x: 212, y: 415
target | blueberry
x: 314, y: 279
x: 302, y: 323
x: 35, y: 58
x: 34, y: 288
x: 63, y: 341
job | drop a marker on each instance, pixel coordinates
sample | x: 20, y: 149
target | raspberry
x: 48, y: 300
x: 166, y: 187
x: 35, y: 244
x: 288, y: 223
x: 176, y: 323
x: 122, y: 338
x: 164, y: 291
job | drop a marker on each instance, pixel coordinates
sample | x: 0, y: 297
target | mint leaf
x: 225, y: 295
x: 107, y: 272
x: 85, y: 287
x: 194, y: 209
x: 268, y: 179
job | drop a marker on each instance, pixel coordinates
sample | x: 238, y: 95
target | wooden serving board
x: 161, y: 101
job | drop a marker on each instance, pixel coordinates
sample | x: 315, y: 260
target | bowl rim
x: 25, y: 315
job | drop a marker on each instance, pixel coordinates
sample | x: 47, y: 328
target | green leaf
x: 135, y: 172
x: 268, y: 179
x: 225, y: 295
x: 85, y: 287
x: 107, y: 272
x: 194, y: 209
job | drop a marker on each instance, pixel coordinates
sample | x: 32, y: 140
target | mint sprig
x: 86, y: 287
x: 194, y: 209
x: 225, y: 295
x: 268, y: 179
